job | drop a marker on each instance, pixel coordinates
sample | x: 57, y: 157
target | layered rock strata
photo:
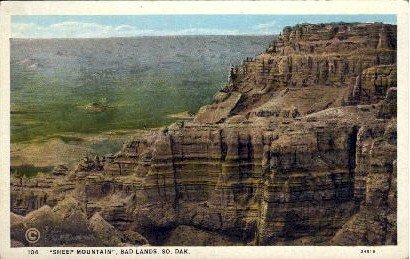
x: 299, y: 148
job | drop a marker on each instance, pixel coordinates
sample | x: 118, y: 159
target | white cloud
x: 206, y: 31
x: 95, y: 30
x: 272, y: 27
x: 265, y: 26
x: 20, y: 29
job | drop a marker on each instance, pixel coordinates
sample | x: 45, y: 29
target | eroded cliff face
x: 310, y: 68
x: 299, y: 148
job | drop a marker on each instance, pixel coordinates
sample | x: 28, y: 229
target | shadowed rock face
x: 298, y: 149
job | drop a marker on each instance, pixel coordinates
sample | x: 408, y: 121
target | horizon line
x: 151, y: 36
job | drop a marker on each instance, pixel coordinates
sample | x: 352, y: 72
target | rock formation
x: 299, y: 148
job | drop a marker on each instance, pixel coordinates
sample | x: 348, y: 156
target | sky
x: 105, y: 26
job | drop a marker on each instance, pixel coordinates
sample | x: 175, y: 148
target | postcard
x: 204, y: 129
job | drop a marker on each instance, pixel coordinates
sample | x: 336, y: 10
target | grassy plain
x: 81, y: 97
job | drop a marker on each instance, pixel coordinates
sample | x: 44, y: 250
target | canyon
x: 298, y: 148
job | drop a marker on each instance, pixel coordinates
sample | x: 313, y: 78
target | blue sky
x: 103, y: 26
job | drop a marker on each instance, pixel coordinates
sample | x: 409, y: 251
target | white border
x: 218, y: 7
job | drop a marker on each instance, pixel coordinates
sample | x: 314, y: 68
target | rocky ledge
x: 299, y: 148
